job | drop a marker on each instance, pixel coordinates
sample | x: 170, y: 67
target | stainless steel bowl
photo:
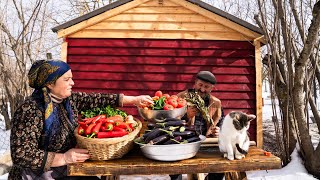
x: 172, y: 152
x: 152, y: 115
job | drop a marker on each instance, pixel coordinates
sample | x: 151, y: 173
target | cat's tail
x: 241, y: 150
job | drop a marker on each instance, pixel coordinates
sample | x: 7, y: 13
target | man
x: 203, y: 85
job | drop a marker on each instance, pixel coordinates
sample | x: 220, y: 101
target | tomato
x: 181, y: 102
x: 174, y: 96
x: 166, y: 95
x: 158, y: 93
x: 173, y: 102
x: 168, y: 107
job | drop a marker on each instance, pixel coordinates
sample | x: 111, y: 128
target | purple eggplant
x: 159, y: 139
x: 190, y: 128
x: 193, y: 139
x: 172, y: 123
x: 151, y: 125
x: 184, y: 133
x: 152, y: 134
x: 175, y: 140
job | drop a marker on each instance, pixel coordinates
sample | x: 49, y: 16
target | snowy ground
x: 293, y: 171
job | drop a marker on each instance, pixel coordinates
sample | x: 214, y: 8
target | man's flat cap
x: 207, y: 76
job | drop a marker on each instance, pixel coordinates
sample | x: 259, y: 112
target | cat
x: 233, y: 137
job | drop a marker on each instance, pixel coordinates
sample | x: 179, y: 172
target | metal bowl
x: 172, y: 152
x: 158, y: 115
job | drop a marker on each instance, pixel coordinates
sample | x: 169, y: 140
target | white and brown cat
x: 233, y: 136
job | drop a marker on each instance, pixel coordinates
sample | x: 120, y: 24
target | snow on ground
x: 295, y: 169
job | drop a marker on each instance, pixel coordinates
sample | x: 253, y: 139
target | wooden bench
x: 206, y: 160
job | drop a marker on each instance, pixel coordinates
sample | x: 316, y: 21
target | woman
x: 42, y: 140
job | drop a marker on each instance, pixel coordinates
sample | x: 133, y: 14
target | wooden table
x: 207, y: 160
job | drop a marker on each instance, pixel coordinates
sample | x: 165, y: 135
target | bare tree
x: 81, y: 7
x: 23, y: 26
x: 292, y: 33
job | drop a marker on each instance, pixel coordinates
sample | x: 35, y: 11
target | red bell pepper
x: 103, y: 129
x: 111, y: 134
x: 96, y: 129
x: 87, y: 120
x: 88, y: 131
x: 80, y: 130
x: 123, y: 125
x: 109, y: 126
x: 115, y: 128
x: 83, y: 124
x: 97, y: 118
x: 113, y: 119
x: 131, y: 126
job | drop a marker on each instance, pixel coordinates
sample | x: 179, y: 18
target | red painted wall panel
x: 143, y: 66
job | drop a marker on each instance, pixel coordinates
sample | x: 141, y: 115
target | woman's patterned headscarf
x: 45, y: 72
x: 41, y: 74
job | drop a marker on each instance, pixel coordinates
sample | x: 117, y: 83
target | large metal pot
x: 152, y: 115
x: 172, y: 152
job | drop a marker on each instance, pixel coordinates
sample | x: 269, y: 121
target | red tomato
x: 168, y: 107
x: 173, y: 102
x: 181, y: 102
x: 174, y: 96
x: 158, y: 93
x: 166, y: 95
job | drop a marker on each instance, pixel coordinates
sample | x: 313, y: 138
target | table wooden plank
x: 206, y: 160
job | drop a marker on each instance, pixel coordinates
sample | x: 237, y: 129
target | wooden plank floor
x: 206, y: 160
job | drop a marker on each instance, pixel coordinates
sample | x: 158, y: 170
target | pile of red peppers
x: 101, y: 126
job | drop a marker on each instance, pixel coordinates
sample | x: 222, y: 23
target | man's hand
x: 192, y: 111
x: 213, y: 131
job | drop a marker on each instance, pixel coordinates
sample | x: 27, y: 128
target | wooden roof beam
x: 218, y: 19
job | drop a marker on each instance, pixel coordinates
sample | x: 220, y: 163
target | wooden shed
x: 141, y: 46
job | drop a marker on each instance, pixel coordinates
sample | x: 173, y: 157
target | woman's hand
x: 76, y: 155
x: 142, y: 100
x: 137, y: 100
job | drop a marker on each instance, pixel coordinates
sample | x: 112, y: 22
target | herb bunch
x: 195, y: 99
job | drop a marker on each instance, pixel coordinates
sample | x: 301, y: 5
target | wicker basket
x: 108, y: 148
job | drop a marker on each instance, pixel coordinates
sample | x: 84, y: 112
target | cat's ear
x: 251, y: 117
x: 237, y: 116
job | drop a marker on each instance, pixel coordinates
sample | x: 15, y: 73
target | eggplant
x: 159, y: 139
x: 193, y: 139
x: 173, y: 123
x: 175, y: 140
x: 151, y: 125
x: 184, y: 133
x: 152, y: 134
x: 190, y: 128
x: 182, y: 129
